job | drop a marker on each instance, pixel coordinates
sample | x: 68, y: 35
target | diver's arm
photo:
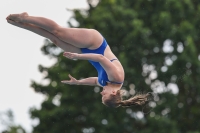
x: 88, y: 56
x: 93, y: 81
x: 109, y: 67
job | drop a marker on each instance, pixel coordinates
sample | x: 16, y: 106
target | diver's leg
x: 65, y: 46
x: 79, y: 37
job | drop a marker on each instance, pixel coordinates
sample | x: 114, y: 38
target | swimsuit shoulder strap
x: 113, y: 60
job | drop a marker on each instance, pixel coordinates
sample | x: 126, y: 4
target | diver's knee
x: 58, y: 32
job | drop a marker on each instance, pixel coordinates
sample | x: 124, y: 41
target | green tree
x: 158, y: 44
x: 7, y: 121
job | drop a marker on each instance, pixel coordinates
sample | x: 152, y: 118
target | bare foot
x: 17, y: 17
x: 18, y: 24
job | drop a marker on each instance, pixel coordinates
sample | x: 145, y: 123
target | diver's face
x: 107, y: 92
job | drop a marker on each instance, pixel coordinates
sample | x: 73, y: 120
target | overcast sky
x: 20, y: 54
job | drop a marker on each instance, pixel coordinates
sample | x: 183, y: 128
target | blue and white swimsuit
x: 102, y: 75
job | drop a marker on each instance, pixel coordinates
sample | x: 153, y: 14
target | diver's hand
x: 70, y: 55
x: 72, y: 81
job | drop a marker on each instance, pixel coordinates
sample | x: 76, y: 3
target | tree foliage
x: 158, y: 44
x: 7, y: 121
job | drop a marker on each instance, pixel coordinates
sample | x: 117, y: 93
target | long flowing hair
x: 117, y: 100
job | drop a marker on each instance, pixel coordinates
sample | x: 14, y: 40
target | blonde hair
x: 117, y: 100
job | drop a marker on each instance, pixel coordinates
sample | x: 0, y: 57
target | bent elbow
x: 120, y: 78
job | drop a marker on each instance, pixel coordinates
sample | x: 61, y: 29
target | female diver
x: 84, y: 44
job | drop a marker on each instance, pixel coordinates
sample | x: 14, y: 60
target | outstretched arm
x: 93, y: 57
x: 93, y: 81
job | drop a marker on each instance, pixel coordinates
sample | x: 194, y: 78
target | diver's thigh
x: 80, y: 37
